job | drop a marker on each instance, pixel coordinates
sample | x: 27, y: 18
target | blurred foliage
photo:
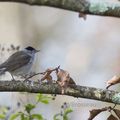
x: 63, y: 114
x: 43, y: 98
x: 11, y: 48
x: 27, y: 113
x: 7, y: 50
x: 3, y: 112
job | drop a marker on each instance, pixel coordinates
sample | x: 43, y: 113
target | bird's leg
x: 13, y: 79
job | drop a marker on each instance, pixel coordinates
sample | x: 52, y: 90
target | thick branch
x: 94, y: 7
x: 75, y: 91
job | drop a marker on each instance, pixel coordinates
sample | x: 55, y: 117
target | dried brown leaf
x: 64, y: 76
x: 12, y: 47
x: 49, y: 79
x: 114, y: 80
x: 47, y: 75
x: 117, y: 112
x: 17, y: 48
x: 112, y: 117
x: 95, y: 112
x: 72, y: 82
x: 82, y: 15
x: 64, y: 79
x: 3, y: 48
x: 8, y: 49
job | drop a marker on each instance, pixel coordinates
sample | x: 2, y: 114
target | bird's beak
x: 37, y: 51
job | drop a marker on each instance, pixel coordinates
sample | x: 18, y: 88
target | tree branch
x: 75, y: 91
x: 94, y: 7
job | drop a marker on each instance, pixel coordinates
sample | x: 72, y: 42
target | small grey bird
x: 19, y: 63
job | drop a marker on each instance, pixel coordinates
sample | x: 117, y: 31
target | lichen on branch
x: 93, y: 7
x: 54, y: 88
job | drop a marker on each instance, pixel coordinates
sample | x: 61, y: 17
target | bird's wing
x: 15, y: 61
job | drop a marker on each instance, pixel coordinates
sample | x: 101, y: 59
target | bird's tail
x: 2, y: 71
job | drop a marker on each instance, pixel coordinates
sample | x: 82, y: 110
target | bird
x: 19, y: 63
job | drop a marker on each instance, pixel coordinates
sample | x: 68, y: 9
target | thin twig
x: 33, y: 75
x: 48, y: 71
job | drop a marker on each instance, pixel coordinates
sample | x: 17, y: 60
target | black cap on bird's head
x: 31, y: 49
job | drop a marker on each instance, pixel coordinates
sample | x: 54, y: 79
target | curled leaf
x: 114, y: 80
x: 47, y: 74
x: 95, y: 112
x: 112, y: 117
x: 64, y: 79
x: 117, y: 112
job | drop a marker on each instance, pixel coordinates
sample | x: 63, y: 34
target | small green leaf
x: 14, y: 116
x: 66, y: 112
x: 22, y: 116
x: 2, y: 116
x: 65, y: 117
x: 37, y: 116
x: 56, y: 117
x: 29, y: 107
x: 43, y: 98
x: 39, y: 96
x: 4, y: 110
x: 45, y: 101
